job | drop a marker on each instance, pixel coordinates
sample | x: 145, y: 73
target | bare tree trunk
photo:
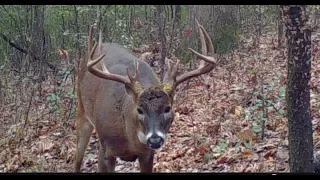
x: 104, y: 23
x: 38, y: 45
x: 178, y: 15
x: 298, y: 36
x: 115, y: 19
x: 99, y: 17
x: 258, y: 28
x: 129, y: 20
x: 76, y: 23
x: 63, y: 29
x: 280, y: 30
x: 161, y: 25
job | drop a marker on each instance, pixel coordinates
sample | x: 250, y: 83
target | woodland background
x: 232, y: 119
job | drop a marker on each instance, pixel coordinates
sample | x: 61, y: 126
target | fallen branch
x: 4, y: 37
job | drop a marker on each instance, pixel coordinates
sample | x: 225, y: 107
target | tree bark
x: 280, y: 30
x: 300, y: 138
x: 178, y: 15
x: 161, y: 26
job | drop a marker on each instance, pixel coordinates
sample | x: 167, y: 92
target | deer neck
x: 130, y: 124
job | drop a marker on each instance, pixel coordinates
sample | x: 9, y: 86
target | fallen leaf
x: 203, y: 149
x: 270, y: 159
x: 238, y: 111
x: 246, y: 135
x: 213, y: 130
x: 247, y: 154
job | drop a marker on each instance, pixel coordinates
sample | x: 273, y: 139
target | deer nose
x: 155, y: 142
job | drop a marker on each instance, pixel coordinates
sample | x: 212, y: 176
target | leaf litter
x: 214, y: 129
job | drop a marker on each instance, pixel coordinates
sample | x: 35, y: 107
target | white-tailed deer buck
x: 132, y: 114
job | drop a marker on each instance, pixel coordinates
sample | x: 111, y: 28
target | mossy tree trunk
x: 298, y: 35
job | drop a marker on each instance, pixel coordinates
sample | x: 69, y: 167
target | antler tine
x: 202, y: 40
x: 95, y: 61
x: 100, y: 42
x: 208, y: 39
x: 203, y: 45
x: 105, y: 74
x: 103, y: 67
x: 170, y: 76
x: 205, y: 57
x: 136, y: 72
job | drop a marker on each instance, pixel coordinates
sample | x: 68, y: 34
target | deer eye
x: 167, y: 109
x: 139, y: 111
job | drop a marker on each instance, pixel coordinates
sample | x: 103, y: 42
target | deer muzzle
x: 155, y: 140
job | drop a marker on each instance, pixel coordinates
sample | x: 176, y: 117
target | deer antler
x: 203, y: 67
x: 130, y: 81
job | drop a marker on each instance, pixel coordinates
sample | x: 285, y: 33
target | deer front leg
x: 146, y: 161
x: 106, y: 163
x: 84, y: 130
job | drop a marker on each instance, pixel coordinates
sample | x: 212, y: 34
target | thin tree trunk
x: 63, y: 29
x: 77, y: 31
x: 280, y: 30
x: 178, y: 15
x: 161, y: 25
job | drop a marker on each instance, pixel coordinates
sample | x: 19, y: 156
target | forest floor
x: 217, y: 126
